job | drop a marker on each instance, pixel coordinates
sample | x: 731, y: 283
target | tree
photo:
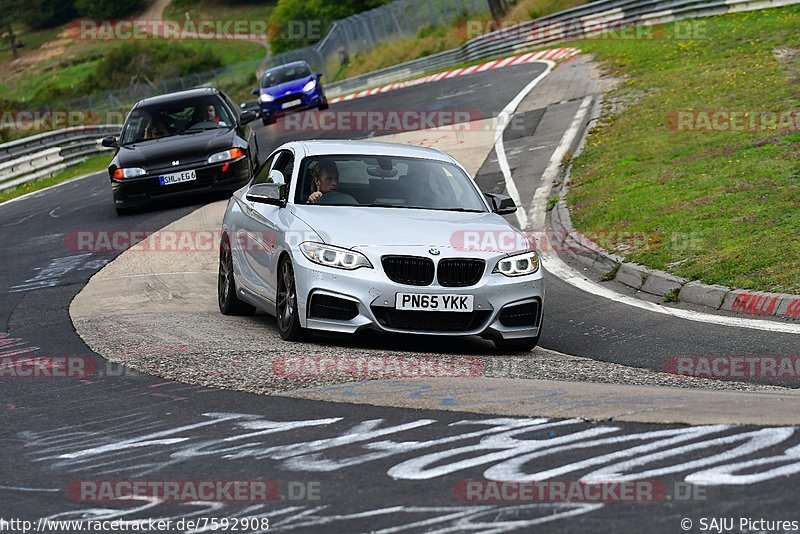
x: 11, y: 12
x: 49, y: 13
x: 498, y: 8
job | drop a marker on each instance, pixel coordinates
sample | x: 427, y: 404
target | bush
x: 287, y: 12
x: 107, y: 9
x: 145, y: 62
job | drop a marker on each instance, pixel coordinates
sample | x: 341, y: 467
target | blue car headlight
x: 265, y: 98
x: 310, y: 86
x: 518, y: 265
x: 330, y: 256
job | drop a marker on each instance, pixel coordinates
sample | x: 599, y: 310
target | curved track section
x: 373, y: 468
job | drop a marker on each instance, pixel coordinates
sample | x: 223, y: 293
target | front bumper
x: 371, y: 295
x: 132, y: 192
x: 307, y: 101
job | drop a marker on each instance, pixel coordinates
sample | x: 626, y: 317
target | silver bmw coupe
x: 342, y: 236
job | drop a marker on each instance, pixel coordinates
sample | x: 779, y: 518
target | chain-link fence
x: 362, y: 32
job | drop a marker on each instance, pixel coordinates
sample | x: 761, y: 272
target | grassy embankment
x: 719, y: 205
x: 56, y: 64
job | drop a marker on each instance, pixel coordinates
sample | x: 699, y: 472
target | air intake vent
x: 409, y: 270
x: 460, y: 272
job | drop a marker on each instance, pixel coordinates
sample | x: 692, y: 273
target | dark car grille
x: 520, y: 315
x: 408, y: 270
x: 426, y: 321
x: 459, y: 272
x: 329, y: 307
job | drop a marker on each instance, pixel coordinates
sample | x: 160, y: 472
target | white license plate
x: 433, y: 302
x: 290, y: 104
x: 177, y: 177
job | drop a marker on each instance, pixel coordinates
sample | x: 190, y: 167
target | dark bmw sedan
x: 183, y: 143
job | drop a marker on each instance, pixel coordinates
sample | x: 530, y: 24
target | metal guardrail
x: 45, y: 154
x: 580, y: 22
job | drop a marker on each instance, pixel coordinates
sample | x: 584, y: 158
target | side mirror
x: 274, y: 194
x: 502, y: 204
x: 247, y: 116
x: 110, y: 142
x: 254, y: 92
x: 319, y: 75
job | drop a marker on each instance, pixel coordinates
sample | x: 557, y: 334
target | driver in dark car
x: 325, y: 178
x: 207, y: 113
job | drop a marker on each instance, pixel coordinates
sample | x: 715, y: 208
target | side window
x: 285, y: 164
x: 263, y: 172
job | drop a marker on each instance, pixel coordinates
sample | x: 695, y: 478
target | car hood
x: 388, y: 227
x: 292, y: 86
x: 190, y: 148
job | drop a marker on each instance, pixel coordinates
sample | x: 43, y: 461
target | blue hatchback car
x: 287, y: 88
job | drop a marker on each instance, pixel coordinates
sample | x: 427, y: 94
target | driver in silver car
x: 325, y: 178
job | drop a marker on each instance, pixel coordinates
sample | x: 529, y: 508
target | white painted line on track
x: 536, y: 213
x: 45, y: 189
x: 556, y: 266
x: 535, y: 217
x: 503, y: 120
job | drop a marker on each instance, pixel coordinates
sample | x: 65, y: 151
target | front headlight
x: 219, y: 157
x: 519, y: 265
x: 330, y: 256
x: 264, y: 97
x: 309, y: 86
x: 130, y: 172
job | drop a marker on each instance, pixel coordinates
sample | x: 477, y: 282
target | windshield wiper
x: 403, y: 206
x: 465, y: 210
x: 195, y: 130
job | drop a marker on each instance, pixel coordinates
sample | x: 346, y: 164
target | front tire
x: 324, y: 105
x: 229, y: 303
x: 286, y: 308
x: 266, y: 120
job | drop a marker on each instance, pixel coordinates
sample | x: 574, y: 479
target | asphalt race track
x: 356, y: 468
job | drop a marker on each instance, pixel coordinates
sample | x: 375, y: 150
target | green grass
x: 718, y: 206
x: 90, y: 166
x: 61, y: 74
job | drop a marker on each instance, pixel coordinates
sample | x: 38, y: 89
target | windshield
x: 284, y: 74
x: 178, y: 117
x: 388, y: 182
